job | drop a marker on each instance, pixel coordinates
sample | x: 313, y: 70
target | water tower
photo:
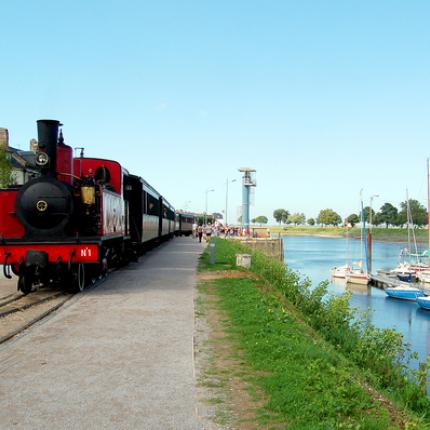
x: 248, y: 181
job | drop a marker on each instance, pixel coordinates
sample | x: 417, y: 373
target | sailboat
x: 357, y: 274
x: 341, y: 271
x: 424, y: 276
x: 410, y: 292
x: 408, y: 271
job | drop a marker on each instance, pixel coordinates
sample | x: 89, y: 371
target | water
x: 313, y: 257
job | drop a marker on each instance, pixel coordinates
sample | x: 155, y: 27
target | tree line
x: 387, y: 215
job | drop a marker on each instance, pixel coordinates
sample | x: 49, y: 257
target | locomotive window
x: 102, y: 175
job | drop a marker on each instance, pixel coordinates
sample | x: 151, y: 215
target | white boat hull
x: 357, y: 277
x: 340, y: 272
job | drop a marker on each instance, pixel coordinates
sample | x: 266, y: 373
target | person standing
x: 208, y: 232
x: 200, y: 232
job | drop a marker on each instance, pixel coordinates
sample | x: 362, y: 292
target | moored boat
x: 357, y: 276
x: 424, y: 302
x: 340, y: 272
x: 407, y: 276
x: 404, y: 292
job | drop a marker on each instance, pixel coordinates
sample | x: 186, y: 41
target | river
x: 314, y: 256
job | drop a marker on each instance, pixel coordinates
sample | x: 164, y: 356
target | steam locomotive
x: 74, y: 217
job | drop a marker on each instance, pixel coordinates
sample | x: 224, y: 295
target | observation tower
x: 248, y: 181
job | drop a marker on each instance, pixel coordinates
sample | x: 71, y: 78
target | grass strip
x: 308, y: 383
x: 374, y: 353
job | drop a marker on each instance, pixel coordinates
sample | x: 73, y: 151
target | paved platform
x: 119, y: 356
x: 7, y: 286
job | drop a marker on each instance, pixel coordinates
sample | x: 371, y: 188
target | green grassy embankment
x: 318, y: 367
x: 383, y: 234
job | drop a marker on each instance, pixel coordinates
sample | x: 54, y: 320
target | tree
x: 200, y: 219
x: 285, y: 216
x: 279, y: 215
x: 261, y: 219
x: 418, y: 212
x: 297, y: 218
x: 353, y: 219
x: 329, y: 217
x: 311, y: 221
x: 239, y: 220
x: 388, y: 214
x: 5, y: 169
x: 367, y: 214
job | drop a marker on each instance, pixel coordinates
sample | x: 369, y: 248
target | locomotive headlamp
x: 42, y: 159
x: 41, y: 206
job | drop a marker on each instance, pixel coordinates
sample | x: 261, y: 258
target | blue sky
x: 321, y: 98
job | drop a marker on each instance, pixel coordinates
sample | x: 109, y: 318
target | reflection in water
x: 358, y: 289
x: 315, y: 256
x: 349, y: 286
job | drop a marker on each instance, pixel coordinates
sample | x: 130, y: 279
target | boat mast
x: 407, y: 223
x: 428, y: 208
x: 347, y: 246
x: 363, y: 234
x: 411, y: 225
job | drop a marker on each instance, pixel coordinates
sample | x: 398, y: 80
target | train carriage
x: 184, y: 223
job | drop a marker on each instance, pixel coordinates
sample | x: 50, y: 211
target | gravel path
x: 117, y: 357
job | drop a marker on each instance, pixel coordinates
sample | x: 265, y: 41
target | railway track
x: 20, y: 303
x: 18, y: 312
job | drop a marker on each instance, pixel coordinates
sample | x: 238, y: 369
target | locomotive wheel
x: 25, y: 281
x: 77, y: 278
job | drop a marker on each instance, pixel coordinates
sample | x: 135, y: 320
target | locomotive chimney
x: 47, y: 130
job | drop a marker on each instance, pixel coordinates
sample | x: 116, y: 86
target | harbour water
x: 314, y: 256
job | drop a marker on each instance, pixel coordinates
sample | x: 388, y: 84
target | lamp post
x: 206, y: 203
x: 226, y: 197
x: 371, y: 203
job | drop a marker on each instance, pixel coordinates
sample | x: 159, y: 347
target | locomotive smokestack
x: 47, y: 130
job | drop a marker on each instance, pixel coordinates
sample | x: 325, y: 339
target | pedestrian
x: 200, y: 232
x: 208, y: 233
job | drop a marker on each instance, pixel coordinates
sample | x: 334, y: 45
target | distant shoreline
x: 379, y: 234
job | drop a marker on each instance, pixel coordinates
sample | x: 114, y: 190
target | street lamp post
x: 206, y: 203
x: 371, y: 203
x: 226, y: 198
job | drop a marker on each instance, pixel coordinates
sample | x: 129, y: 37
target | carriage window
x: 153, y: 205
